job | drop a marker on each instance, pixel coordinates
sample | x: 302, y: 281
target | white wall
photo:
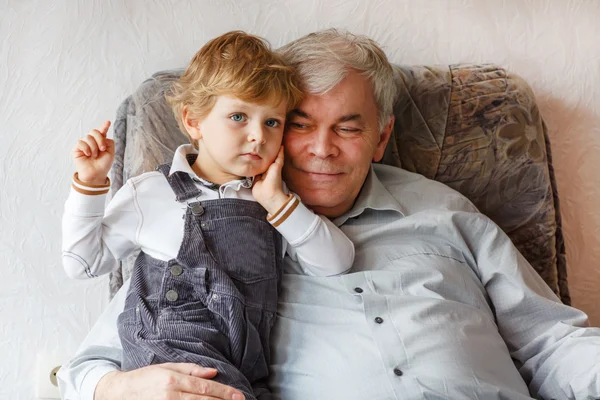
x: 65, y: 65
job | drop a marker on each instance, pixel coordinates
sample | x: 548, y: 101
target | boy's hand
x: 268, y: 187
x: 93, y: 156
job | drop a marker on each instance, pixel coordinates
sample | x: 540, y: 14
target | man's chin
x: 322, y: 197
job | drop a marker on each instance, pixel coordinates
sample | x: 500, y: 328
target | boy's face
x: 237, y: 139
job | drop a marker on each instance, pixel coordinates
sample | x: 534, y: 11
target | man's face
x: 330, y: 141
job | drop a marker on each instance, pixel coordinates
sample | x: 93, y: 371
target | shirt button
x: 358, y: 290
x: 379, y: 320
x: 398, y: 372
x: 176, y: 270
x: 172, y: 295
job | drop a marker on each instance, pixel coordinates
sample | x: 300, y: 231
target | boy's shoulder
x: 148, y: 181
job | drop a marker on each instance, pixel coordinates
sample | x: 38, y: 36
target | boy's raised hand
x: 93, y: 156
x: 268, y: 187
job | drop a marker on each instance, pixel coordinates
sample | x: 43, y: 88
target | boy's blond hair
x: 234, y: 64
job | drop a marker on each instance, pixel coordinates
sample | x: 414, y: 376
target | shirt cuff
x: 284, y: 211
x: 91, y: 190
x: 89, y: 383
x: 81, y: 203
x: 294, y: 221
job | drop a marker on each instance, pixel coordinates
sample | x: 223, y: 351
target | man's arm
x: 100, y: 353
x: 555, y: 351
x: 94, y: 373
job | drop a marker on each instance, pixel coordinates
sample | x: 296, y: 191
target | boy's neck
x: 206, y: 169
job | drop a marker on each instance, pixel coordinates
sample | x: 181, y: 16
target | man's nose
x: 257, y: 133
x: 323, y: 144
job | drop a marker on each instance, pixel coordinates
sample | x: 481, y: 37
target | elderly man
x: 438, y: 305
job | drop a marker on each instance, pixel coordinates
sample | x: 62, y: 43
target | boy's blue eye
x: 272, y: 123
x: 237, y: 117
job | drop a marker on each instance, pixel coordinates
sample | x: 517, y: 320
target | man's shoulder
x: 417, y: 193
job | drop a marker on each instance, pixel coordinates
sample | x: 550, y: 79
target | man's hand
x: 93, y: 156
x: 268, y: 187
x: 172, y: 381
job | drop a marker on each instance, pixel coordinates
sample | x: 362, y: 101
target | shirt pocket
x: 436, y: 272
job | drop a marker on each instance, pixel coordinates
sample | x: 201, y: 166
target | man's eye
x: 237, y: 117
x: 348, y: 130
x: 272, y: 123
x: 297, y: 125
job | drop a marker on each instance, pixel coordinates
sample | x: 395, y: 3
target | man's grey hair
x: 324, y: 58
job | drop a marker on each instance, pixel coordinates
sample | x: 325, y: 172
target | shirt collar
x: 374, y: 196
x: 184, y: 157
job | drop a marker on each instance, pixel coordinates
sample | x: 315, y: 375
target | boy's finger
x: 104, y: 128
x: 278, y: 163
x: 280, y: 155
x: 82, y: 147
x: 110, y: 146
x: 99, y: 138
x: 91, y: 141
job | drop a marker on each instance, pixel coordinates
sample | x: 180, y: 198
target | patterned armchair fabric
x: 475, y: 128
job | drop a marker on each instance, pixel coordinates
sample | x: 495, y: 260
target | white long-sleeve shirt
x: 144, y: 215
x: 439, y: 304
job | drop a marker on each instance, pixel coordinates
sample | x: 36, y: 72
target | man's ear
x: 384, y: 137
x: 191, y: 125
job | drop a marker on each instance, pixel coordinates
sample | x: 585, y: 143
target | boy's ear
x: 191, y: 124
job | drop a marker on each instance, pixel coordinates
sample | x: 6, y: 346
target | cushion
x: 475, y: 128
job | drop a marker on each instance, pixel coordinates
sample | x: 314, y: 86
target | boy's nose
x: 257, y: 134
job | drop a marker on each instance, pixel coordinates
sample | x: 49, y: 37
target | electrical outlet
x: 46, y: 382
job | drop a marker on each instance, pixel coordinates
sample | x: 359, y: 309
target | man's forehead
x: 350, y: 99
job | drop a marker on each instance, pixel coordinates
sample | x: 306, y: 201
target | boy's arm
x: 94, y: 240
x: 321, y: 248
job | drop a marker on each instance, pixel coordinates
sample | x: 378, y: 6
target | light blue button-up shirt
x: 439, y: 305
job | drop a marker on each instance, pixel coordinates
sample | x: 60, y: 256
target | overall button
x: 197, y: 209
x: 172, y: 295
x: 379, y: 320
x: 358, y: 290
x: 398, y: 372
x: 176, y: 270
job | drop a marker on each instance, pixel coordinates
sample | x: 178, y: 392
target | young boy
x: 212, y: 226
